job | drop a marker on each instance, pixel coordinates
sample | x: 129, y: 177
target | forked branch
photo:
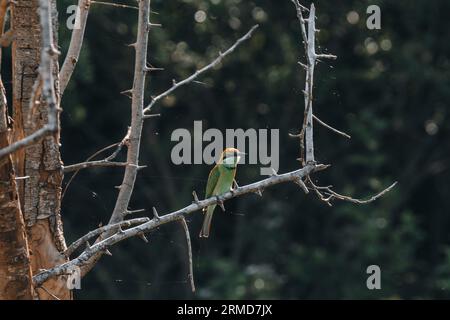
x: 308, y: 32
x: 113, y: 233
x: 158, y: 220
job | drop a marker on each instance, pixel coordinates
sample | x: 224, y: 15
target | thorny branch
x: 157, y: 221
x: 138, y: 112
x: 202, y: 70
x: 189, y: 247
x: 331, y: 128
x: 107, y: 162
x: 326, y: 194
x: 113, y: 233
x: 308, y: 31
x: 137, y: 121
x: 94, y: 233
x: 90, y: 164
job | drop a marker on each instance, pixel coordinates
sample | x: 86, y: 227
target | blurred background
x: 389, y: 89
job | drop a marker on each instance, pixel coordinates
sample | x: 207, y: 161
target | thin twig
x: 76, y: 43
x: 101, y: 246
x: 32, y: 138
x: 112, y: 4
x: 334, y: 195
x: 141, y: 68
x: 48, y: 292
x: 302, y: 21
x: 94, y: 233
x: 189, y: 248
x: 93, y: 164
x: 331, y: 128
x: 157, y: 221
x: 202, y: 70
x: 119, y: 146
x: 308, y: 32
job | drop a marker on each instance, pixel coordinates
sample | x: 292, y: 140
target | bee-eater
x: 220, y: 181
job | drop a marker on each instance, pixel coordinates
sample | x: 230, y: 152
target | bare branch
x: 48, y: 292
x: 112, y: 4
x: 94, y: 233
x: 202, y: 70
x: 99, y: 247
x: 326, y: 56
x: 157, y: 221
x: 308, y: 30
x: 302, y: 21
x: 330, y: 194
x: 331, y: 128
x: 194, y: 194
x: 155, y: 214
x: 137, y: 121
x: 311, y: 55
x: 134, y: 211
x: 137, y: 93
x: 189, y: 247
x: 148, y: 116
x: 32, y: 138
x: 118, y: 145
x: 137, y: 113
x: 76, y: 42
x: 114, y: 233
x: 302, y: 185
x: 92, y: 164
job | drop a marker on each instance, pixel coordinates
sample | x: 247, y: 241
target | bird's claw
x: 234, y: 187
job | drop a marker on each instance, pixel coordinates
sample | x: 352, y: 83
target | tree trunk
x: 15, y: 269
x: 40, y: 192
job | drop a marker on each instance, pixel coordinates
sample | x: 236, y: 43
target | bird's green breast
x: 225, y: 180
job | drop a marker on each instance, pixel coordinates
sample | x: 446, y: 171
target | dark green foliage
x: 394, y: 102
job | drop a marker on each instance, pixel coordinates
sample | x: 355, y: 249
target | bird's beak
x: 241, y: 153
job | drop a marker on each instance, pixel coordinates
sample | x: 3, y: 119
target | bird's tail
x: 204, y: 233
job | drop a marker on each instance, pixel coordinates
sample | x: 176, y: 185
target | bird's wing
x: 212, y: 181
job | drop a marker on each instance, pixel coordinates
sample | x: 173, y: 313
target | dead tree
x: 35, y: 183
x: 34, y: 259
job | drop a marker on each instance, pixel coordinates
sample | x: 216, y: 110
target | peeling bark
x: 40, y: 194
x: 15, y: 269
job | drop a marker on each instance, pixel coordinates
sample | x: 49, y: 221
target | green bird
x: 220, y: 181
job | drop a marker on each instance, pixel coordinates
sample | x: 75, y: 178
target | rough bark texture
x: 40, y: 194
x: 15, y: 269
